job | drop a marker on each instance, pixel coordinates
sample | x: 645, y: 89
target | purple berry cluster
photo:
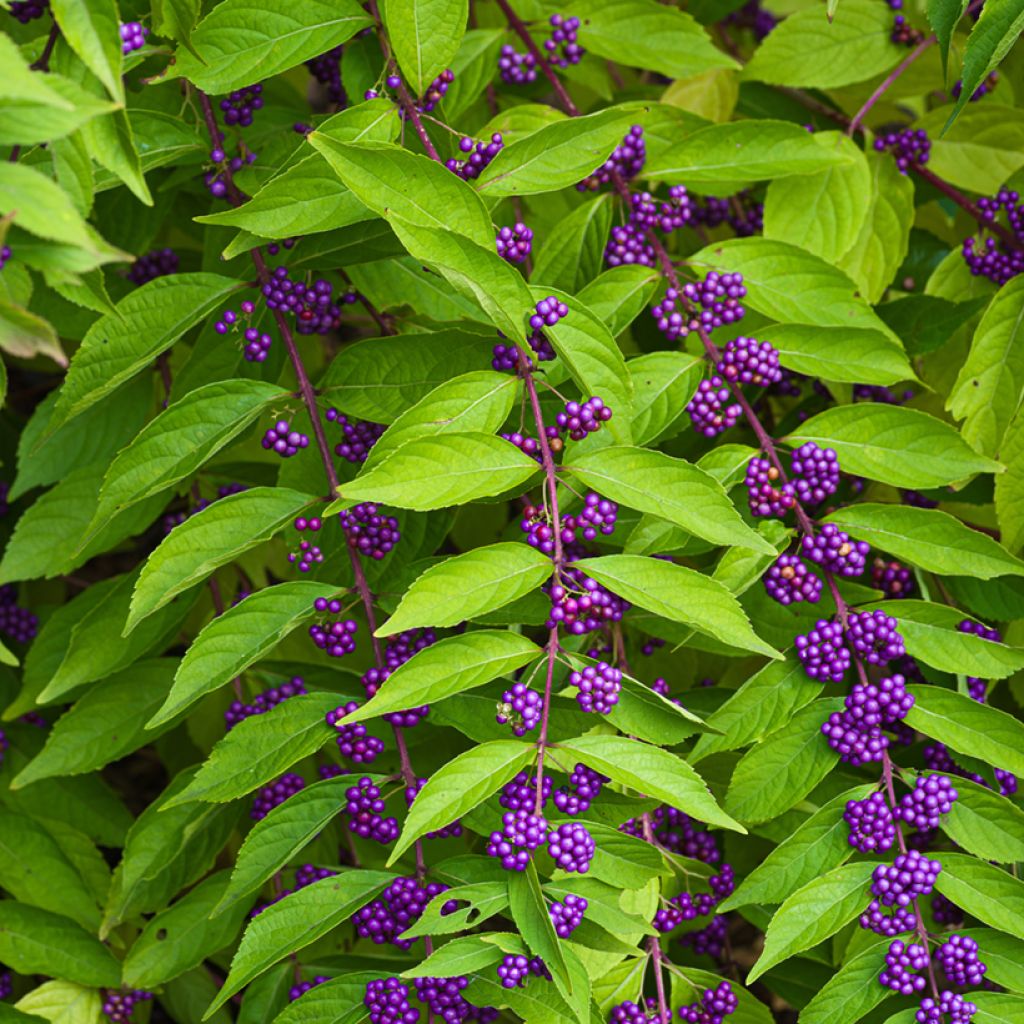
x: 959, y: 960
x: 923, y: 807
x: 354, y: 743
x: 399, y: 649
x: 521, y: 708
x: 217, y: 179
x: 400, y: 906
x: 871, y: 823
x: 994, y: 259
x: 547, y: 313
x: 16, y: 623
x: 5, y: 255
x: 516, y: 68
x: 118, y: 1007
x: 435, y: 92
x: 239, y: 106
x: 874, y: 637
x: 562, y: 47
x: 910, y: 146
x: 892, y: 578
x: 901, y: 961
x: 257, y: 343
x: 300, y: 989
x: 856, y: 731
x: 749, y: 361
x: 521, y: 833
x: 599, y: 687
x: 280, y: 438
x: 581, y: 604
x: 989, y: 82
x: 571, y: 847
x: 836, y: 552
x: 586, y: 787
x: 950, y: 1005
x: 478, y: 156
x: 365, y: 810
x: 767, y: 495
x: 627, y: 246
x: 789, y: 581
x: 753, y: 17
x: 515, y: 969
x: 306, y: 874
x: 903, y: 33
x: 702, y: 306
x: 158, y: 263
x: 368, y: 531
x: 275, y: 794
x: 263, y: 702
x: 581, y: 418
x: 326, y: 69
x: 521, y: 793
x: 896, y: 886
x: 626, y: 161
x: 338, y: 637
x: 28, y: 10
x: 307, y: 556
x: 387, y: 1001
x: 822, y: 652
x: 514, y: 243
x: 815, y: 473
x: 133, y: 37
x: 313, y: 306
x: 359, y: 436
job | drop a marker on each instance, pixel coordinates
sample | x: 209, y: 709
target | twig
x: 888, y: 81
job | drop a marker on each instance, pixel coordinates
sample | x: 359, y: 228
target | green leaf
x: 820, y: 844
x: 987, y: 136
x: 1002, y: 954
x: 211, y: 538
x: 930, y: 539
x: 58, y: 109
x: 41, y: 207
x: 782, y: 769
x: 680, y: 594
x: 175, y: 19
x: 242, y: 41
x: 293, y: 923
x: 847, y: 355
x: 36, y: 941
x: 277, y: 838
x: 943, y: 16
x: 984, y: 891
x: 35, y: 870
x: 60, y: 1002
x: 663, y: 383
x: 594, y: 360
x: 998, y: 27
x: 531, y: 917
x: 21, y: 83
x: 761, y: 705
x: 477, y: 903
x: 438, y: 472
x: 1009, y: 490
x: 620, y: 295
x: 853, y: 991
x: 621, y: 860
x: 479, y: 401
x: 985, y: 823
x: 652, y: 771
x: 968, y: 727
x: 473, y: 270
x: 167, y: 849
x: 96, y: 649
x: 988, y: 389
x: 808, y: 50
x: 175, y: 444
x: 813, y: 913
x: 791, y: 285
x: 932, y: 635
x: 230, y: 643
x: 260, y: 748
x: 690, y: 988
x: 466, y: 954
x: 468, y: 585
x: 380, y: 378
x: 898, y: 446
x: 181, y: 937
x: 147, y: 322
x: 573, y: 254
x: 111, y: 142
x: 557, y: 155
x: 463, y: 783
x: 393, y: 182
x: 744, y: 151
x: 25, y: 335
x: 425, y: 36
x: 669, y: 488
x: 105, y: 725
x: 998, y: 1007
x: 452, y: 665
x: 823, y: 211
x: 92, y: 30
x: 648, y: 35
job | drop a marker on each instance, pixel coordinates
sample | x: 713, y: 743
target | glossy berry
x: 883, y: 703
x: 326, y: 69
x: 443, y: 997
x: 900, y: 963
x: 28, y: 10
x: 513, y: 970
x: 951, y: 1007
x: 582, y: 418
x: 133, y: 36
x: 874, y: 637
x: 286, y: 442
x: 567, y: 915
x: 16, y: 623
x: 892, y: 578
x: 909, y: 876
x: 275, y: 794
x: 435, y: 91
x: 521, y: 708
x: 119, y: 1006
x: 586, y: 786
x: 299, y: 990
x: 336, y: 638
x: 823, y: 652
x: 312, y: 305
x: 815, y: 473
x: 263, y: 702
x: 368, y: 531
x: 599, y: 687
x: 766, y: 494
x: 871, y: 822
x: 158, y: 263
x: 627, y: 161
x: 359, y: 436
x: 946, y: 912
x: 834, y: 550
x: 547, y: 313
x: 561, y: 48
x: 387, y: 1000
x: 714, y: 1005
x: 365, y: 810
x: 353, y: 741
x: 306, y: 557
x: 478, y: 156
x: 932, y: 796
x: 958, y: 958
x: 856, y: 741
x: 888, y: 921
x: 628, y: 246
x: 514, y: 243
x: 521, y: 793
x: 789, y: 581
x: 910, y: 146
x: 749, y: 361
x: 522, y: 832
x: 516, y: 68
x: 239, y: 106
x: 708, y: 410
x: 571, y: 847
x: 977, y: 629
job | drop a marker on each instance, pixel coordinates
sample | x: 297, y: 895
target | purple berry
x: 872, y: 826
x: 823, y: 652
x: 900, y: 962
x: 365, y: 810
x: 514, y: 243
x: 571, y: 847
x: 599, y: 687
x: 749, y: 361
x: 932, y: 796
x: 815, y: 473
x: 958, y: 958
x: 789, y: 581
x: 567, y: 915
x: 873, y: 637
x: 275, y: 794
x: 834, y: 550
x: 387, y: 1000
x: 521, y: 834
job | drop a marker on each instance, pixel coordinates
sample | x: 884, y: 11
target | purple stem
x: 888, y: 81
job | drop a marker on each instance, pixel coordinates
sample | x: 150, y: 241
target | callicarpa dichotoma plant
x: 511, y: 511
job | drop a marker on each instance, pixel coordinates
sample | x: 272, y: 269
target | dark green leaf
x: 984, y: 891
